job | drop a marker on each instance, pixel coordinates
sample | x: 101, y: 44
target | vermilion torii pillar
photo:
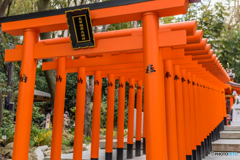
x: 192, y: 116
x: 139, y: 119
x: 170, y: 111
x: 58, y: 112
x: 121, y: 115
x: 152, y: 99
x: 25, y: 96
x: 131, y: 105
x: 187, y: 125
x: 79, y: 115
x: 179, y: 111
x: 186, y: 80
x: 110, y: 117
x: 179, y: 104
x: 97, y: 96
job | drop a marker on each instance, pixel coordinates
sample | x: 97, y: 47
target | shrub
x: 8, y: 126
x: 40, y: 137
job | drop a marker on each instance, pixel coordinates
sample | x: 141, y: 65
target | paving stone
x: 102, y: 144
x: 86, y: 155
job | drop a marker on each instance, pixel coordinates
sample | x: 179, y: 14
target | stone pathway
x: 102, y: 143
x: 86, y: 155
x: 229, y: 142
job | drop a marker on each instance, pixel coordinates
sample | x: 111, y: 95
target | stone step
x: 226, y: 145
x: 211, y: 157
x: 230, y: 135
x: 103, y: 142
x: 232, y: 128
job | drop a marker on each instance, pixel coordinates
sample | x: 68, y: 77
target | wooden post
x: 197, y: 116
x: 139, y: 120
x: 25, y: 96
x: 192, y: 116
x: 121, y: 112
x: 144, y: 132
x: 200, y: 101
x: 110, y: 117
x: 131, y: 105
x: 172, y: 142
x: 186, y: 82
x: 153, y: 96
x: 79, y: 116
x: 97, y: 95
x: 179, y: 112
x: 58, y: 113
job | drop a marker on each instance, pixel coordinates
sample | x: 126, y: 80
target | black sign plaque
x: 80, y: 28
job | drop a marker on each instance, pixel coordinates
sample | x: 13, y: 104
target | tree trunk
x: 3, y: 7
x: 105, y: 27
x: 89, y: 93
x: 51, y: 81
x: 50, y: 75
x: 1, y: 107
x: 135, y: 24
x: 87, y: 117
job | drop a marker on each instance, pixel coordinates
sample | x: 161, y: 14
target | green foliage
x: 125, y: 25
x: 40, y: 137
x: 103, y: 121
x: 67, y: 139
x: 235, y: 66
x: 41, y: 83
x: 7, y: 127
x: 4, y: 73
x: 71, y: 90
x: 86, y: 140
x: 212, y: 23
x: 37, y: 117
x: 229, y: 49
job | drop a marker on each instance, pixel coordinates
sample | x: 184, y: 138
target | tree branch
x: 3, y: 7
x: 9, y: 6
x: 60, y: 3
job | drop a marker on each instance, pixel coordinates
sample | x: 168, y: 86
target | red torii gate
x: 148, y: 11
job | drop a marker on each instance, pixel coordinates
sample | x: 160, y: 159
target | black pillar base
x: 94, y: 158
x: 218, y: 132
x: 199, y: 152
x: 129, y: 151
x: 188, y: 157
x: 203, y: 149
x: 119, y: 153
x: 222, y: 126
x: 210, y: 141
x: 194, y: 154
x: 208, y: 144
x: 225, y: 121
x: 108, y: 156
x: 214, y: 135
x: 206, y: 147
x: 144, y: 146
x: 138, y: 148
